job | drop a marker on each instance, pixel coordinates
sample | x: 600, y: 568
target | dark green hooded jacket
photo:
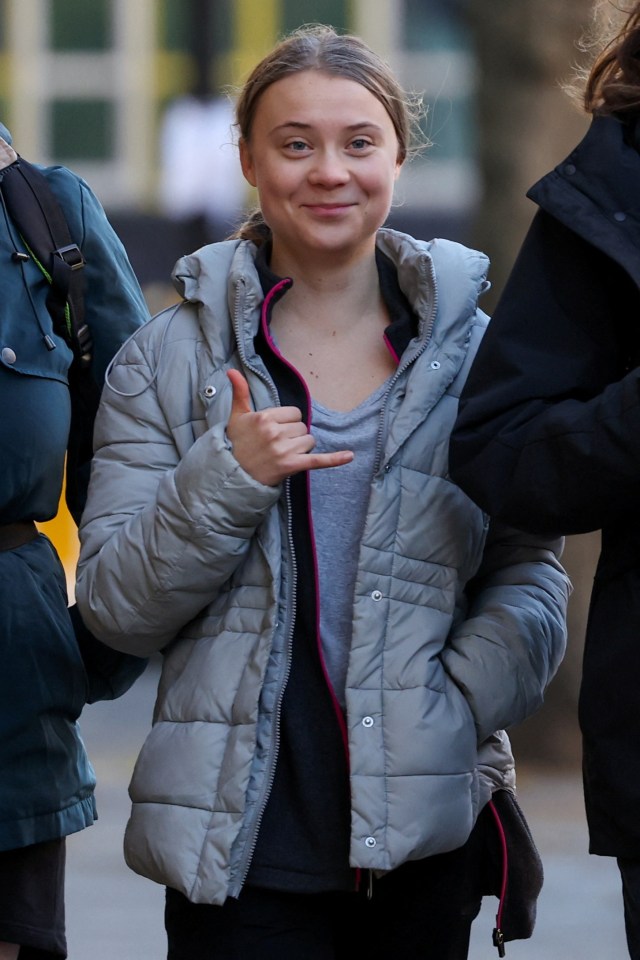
x: 46, y: 782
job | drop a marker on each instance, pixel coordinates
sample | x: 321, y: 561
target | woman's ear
x: 246, y: 161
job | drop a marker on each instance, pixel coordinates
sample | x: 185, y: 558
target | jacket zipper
x: 269, y: 777
x: 261, y: 803
x: 498, y: 935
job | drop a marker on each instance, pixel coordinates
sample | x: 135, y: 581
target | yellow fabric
x: 63, y: 533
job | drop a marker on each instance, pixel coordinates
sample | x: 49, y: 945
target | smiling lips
x: 327, y: 209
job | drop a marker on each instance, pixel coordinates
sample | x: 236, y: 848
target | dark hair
x: 320, y: 47
x: 612, y: 85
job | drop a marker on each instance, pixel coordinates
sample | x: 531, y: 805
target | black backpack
x: 38, y: 216
x: 40, y: 220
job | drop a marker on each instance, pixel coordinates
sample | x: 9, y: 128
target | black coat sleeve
x: 548, y: 433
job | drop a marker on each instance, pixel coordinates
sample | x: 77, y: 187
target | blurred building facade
x: 87, y: 82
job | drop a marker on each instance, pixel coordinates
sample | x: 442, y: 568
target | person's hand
x: 274, y: 443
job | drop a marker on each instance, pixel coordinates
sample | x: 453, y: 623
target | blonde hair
x: 319, y: 47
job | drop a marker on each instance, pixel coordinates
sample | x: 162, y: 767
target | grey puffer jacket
x: 458, y: 626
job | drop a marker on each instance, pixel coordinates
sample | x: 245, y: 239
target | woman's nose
x: 329, y: 168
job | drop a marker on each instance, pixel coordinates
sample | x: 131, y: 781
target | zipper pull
x: 370, y: 886
x: 498, y: 941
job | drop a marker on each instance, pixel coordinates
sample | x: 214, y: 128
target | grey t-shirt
x: 339, y: 500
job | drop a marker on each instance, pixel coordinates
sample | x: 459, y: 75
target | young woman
x: 549, y: 431
x: 344, y: 637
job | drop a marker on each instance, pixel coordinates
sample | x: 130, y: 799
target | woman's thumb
x: 241, y: 402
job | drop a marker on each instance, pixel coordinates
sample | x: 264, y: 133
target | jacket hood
x: 221, y: 280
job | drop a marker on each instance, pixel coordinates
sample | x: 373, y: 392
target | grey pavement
x: 113, y: 914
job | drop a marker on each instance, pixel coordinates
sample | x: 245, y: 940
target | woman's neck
x: 336, y: 290
x: 330, y: 327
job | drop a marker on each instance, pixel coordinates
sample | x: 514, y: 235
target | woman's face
x: 323, y: 155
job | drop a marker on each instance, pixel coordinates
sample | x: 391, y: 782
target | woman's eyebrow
x: 301, y: 125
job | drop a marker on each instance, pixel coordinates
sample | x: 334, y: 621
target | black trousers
x: 32, y: 900
x: 630, y: 873
x: 420, y: 911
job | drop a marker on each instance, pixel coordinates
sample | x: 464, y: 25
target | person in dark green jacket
x: 50, y: 668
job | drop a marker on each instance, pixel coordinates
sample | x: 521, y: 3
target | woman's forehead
x: 314, y: 98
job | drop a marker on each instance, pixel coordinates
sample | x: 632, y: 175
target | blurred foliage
x: 526, y: 123
x: 525, y: 52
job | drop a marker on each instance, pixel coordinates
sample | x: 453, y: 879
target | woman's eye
x: 360, y: 143
x: 297, y: 146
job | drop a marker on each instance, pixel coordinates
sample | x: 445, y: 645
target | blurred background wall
x: 91, y: 83
x: 134, y: 95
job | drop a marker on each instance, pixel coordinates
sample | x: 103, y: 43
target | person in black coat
x: 548, y: 433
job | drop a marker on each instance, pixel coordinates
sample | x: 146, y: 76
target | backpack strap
x: 41, y: 222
